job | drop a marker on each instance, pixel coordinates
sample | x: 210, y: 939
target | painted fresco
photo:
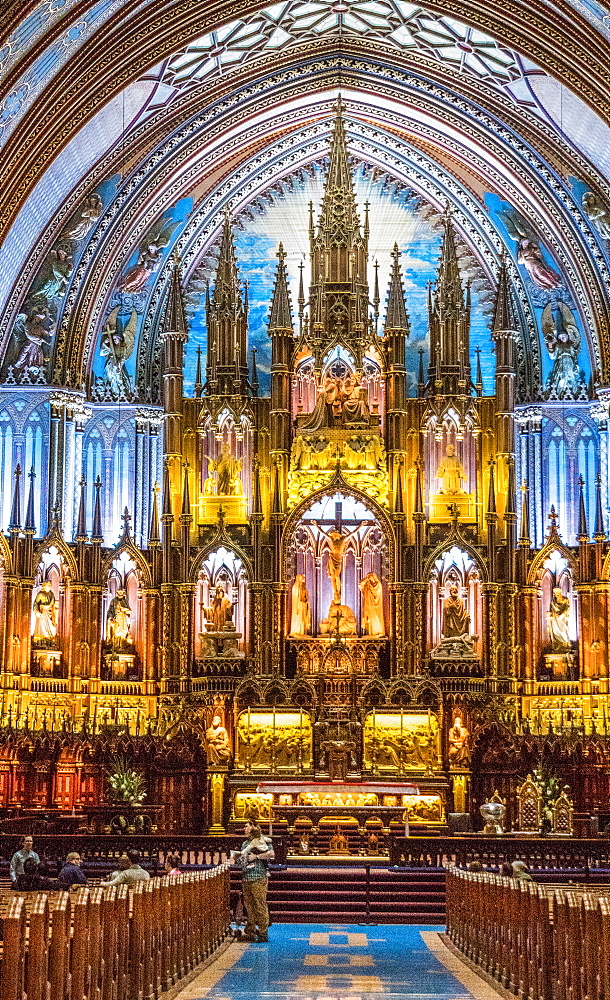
x: 396, y: 215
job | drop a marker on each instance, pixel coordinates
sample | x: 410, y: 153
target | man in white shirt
x: 20, y: 856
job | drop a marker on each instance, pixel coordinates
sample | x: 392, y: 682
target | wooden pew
x: 114, y: 943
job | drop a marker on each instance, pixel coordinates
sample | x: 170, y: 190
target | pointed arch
x: 455, y: 539
x: 221, y: 540
x: 134, y: 553
x: 554, y: 544
x: 55, y: 538
x: 6, y: 556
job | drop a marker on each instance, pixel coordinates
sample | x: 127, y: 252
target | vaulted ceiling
x: 499, y: 109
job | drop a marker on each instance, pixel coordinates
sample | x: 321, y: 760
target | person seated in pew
x: 31, y: 880
x: 171, y: 865
x: 521, y: 871
x: 71, y: 873
x: 135, y: 872
x: 121, y: 866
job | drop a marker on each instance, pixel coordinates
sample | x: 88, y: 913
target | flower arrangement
x: 126, y: 784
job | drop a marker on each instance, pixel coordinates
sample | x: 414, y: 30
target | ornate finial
x: 220, y: 514
x: 454, y: 511
x: 126, y: 519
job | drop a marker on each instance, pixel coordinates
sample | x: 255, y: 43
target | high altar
x: 329, y: 615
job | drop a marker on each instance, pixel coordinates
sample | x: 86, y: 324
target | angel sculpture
x: 529, y: 253
x: 84, y: 219
x: 562, y: 339
x: 36, y: 327
x: 116, y: 345
x: 150, y: 255
x: 597, y: 212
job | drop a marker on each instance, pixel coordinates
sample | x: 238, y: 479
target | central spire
x: 339, y: 224
x: 339, y: 291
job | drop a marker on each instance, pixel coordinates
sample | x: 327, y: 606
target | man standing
x: 71, y: 873
x: 20, y: 856
x: 256, y: 853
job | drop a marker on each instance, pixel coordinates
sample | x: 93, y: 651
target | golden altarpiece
x: 335, y: 597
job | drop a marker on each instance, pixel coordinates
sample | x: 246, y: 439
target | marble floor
x: 340, y: 962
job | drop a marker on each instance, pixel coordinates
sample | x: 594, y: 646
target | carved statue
x: 562, y: 339
x: 218, y: 746
x: 341, y: 620
x: 451, y: 473
x: 598, y: 213
x: 227, y: 469
x: 337, y: 543
x: 118, y: 621
x: 300, y: 619
x: 44, y: 618
x: 456, y: 620
x: 341, y: 403
x: 220, y: 612
x: 459, y: 752
x: 372, y: 605
x: 339, y: 843
x: 558, y: 622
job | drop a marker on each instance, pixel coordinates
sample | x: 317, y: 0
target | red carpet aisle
x: 335, y: 962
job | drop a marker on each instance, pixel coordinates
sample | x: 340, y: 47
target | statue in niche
x: 44, y: 617
x: 451, y: 473
x: 562, y: 339
x: 459, y: 752
x: 220, y: 612
x: 558, y: 622
x: 36, y: 326
x: 118, y: 622
x: 116, y: 345
x: 597, y: 212
x: 227, y: 469
x: 337, y: 543
x: 341, y: 403
x: 217, y: 743
x: 456, y: 620
x: 372, y: 605
x: 300, y: 619
x: 341, y: 620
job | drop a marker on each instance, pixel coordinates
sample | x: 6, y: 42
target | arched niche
x: 124, y: 585
x: 50, y: 614
x: 364, y: 552
x: 340, y: 364
x: 226, y: 428
x: 451, y: 433
x: 556, y: 573
x: 222, y: 568
x: 454, y: 568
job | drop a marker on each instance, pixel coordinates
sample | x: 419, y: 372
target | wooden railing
x: 538, y: 942
x: 119, y: 943
x: 545, y: 853
x: 192, y: 849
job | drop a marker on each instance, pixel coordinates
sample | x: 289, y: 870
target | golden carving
x: 394, y: 743
x: 270, y: 740
x: 360, y: 454
x: 252, y: 805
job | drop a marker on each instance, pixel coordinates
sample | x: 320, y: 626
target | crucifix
x: 337, y: 542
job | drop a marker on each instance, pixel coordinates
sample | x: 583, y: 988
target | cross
x: 126, y: 519
x: 338, y: 520
x: 454, y: 511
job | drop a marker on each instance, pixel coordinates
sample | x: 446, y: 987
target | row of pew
x: 538, y: 942
x: 114, y: 943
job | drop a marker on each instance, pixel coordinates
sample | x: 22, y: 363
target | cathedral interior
x: 304, y: 402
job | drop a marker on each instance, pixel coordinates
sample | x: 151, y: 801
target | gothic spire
x: 448, y: 293
x: 254, y: 376
x: 186, y: 495
x: 419, y: 496
x: 30, y: 527
x: 154, y: 538
x: 491, y: 495
x: 396, y: 313
x: 276, y: 503
x: 97, y: 534
x: 339, y: 215
x: 511, y: 505
x: 15, y: 522
x: 280, y: 317
x: 583, y: 532
x: 524, y: 534
x: 81, y: 526
x: 167, y: 495
x: 198, y: 381
x: 175, y: 319
x: 227, y: 291
x: 399, y: 505
x: 503, y: 310
x: 599, y: 533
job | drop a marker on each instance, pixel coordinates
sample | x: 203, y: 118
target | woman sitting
x: 171, y: 865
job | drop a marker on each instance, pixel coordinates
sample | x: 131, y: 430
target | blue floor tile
x: 339, y: 962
